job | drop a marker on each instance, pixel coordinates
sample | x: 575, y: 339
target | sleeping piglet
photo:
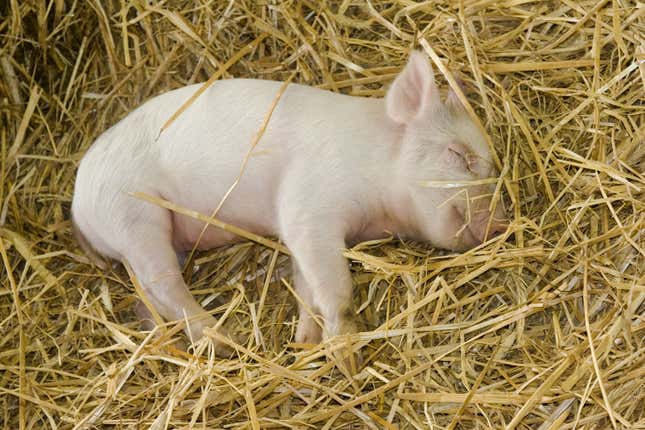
x: 329, y: 171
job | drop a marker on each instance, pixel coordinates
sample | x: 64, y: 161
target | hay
x: 542, y: 329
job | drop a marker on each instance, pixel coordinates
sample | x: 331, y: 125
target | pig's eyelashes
x: 457, y: 158
x: 471, y: 162
x: 461, y: 157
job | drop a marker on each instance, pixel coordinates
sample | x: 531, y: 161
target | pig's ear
x: 452, y: 100
x: 413, y: 91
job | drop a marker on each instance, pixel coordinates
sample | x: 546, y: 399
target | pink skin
x: 329, y: 171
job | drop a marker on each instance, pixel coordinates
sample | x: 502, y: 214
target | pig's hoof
x: 146, y: 322
x: 221, y: 348
x: 308, y: 331
x: 344, y: 325
x: 348, y: 358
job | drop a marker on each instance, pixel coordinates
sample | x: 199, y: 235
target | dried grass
x: 540, y: 330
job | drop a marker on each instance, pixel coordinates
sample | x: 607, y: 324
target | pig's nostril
x: 483, y: 231
x: 497, y: 229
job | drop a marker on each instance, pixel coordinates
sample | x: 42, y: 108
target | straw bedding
x: 538, y: 329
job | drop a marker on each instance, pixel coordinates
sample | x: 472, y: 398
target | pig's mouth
x: 484, y: 227
x: 464, y: 235
x: 470, y: 236
x: 475, y: 229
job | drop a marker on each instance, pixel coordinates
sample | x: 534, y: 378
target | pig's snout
x: 484, y: 228
x: 496, y: 228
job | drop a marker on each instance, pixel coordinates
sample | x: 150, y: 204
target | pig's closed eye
x: 460, y: 156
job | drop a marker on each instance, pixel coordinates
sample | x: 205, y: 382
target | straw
x: 540, y: 328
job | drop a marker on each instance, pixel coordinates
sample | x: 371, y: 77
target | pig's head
x: 443, y: 161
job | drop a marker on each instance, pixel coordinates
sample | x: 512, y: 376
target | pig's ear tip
x: 417, y: 55
x: 419, y: 59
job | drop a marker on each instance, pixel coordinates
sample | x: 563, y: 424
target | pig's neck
x: 391, y: 209
x: 399, y: 216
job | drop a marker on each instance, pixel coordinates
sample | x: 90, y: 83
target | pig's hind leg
x: 153, y: 259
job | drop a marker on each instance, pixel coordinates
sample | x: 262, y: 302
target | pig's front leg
x: 322, y: 279
x: 309, y: 330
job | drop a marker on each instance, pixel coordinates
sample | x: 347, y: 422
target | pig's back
x: 201, y: 156
x: 208, y: 144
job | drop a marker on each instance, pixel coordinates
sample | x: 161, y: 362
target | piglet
x: 330, y: 170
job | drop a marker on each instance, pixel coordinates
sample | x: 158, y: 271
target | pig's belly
x: 250, y: 206
x: 187, y: 232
